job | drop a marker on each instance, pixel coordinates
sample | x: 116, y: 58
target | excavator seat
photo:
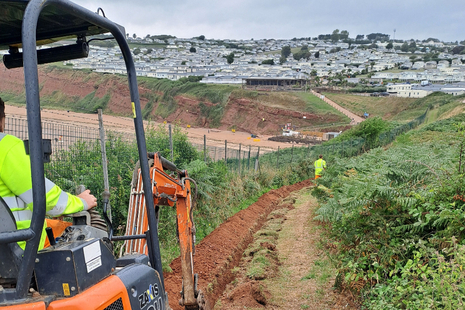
x: 10, y: 253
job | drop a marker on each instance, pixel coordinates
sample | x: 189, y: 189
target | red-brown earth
x: 242, y: 114
x: 221, y: 251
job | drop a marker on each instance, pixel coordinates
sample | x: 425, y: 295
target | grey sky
x: 286, y: 19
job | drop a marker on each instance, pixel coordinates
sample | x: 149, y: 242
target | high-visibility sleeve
x: 16, y: 174
x: 16, y: 187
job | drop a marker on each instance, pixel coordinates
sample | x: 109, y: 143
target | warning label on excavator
x: 92, y: 254
x: 133, y: 109
x: 66, y: 289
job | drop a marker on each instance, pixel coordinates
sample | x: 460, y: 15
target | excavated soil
x: 242, y: 114
x: 221, y: 251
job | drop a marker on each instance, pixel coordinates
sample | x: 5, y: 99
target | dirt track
x: 219, y: 252
x: 215, y: 137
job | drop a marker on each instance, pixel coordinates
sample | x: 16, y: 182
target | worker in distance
x: 320, y: 166
x: 16, y: 186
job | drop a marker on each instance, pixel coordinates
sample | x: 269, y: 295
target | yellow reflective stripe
x: 60, y: 206
x: 48, y: 185
x: 14, y: 203
x: 24, y: 215
x: 26, y: 196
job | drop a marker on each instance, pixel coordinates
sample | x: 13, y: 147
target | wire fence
x: 73, y: 140
x: 84, y: 141
x: 347, y: 148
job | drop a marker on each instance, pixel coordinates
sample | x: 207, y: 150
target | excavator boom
x: 167, y: 190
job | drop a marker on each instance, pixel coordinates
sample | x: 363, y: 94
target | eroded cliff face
x: 242, y: 114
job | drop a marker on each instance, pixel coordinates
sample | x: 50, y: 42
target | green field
x: 385, y: 107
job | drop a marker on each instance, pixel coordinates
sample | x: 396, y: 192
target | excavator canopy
x: 54, y: 25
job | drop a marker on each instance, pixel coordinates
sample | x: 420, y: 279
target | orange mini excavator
x: 80, y: 271
x: 167, y: 190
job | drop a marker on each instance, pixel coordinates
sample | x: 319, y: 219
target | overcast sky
x: 286, y: 19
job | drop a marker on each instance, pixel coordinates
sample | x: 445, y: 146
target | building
x: 274, y: 83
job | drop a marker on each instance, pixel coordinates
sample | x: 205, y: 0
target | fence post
x: 171, y: 141
x: 215, y: 153
x: 292, y: 152
x: 248, y: 159
x: 226, y: 152
x: 239, y: 162
x: 277, y: 159
x: 258, y: 153
x: 205, y: 148
x: 106, y: 183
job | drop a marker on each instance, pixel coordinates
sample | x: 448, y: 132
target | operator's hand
x: 88, y: 198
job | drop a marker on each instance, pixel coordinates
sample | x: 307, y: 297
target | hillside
x: 400, y: 109
x: 186, y: 102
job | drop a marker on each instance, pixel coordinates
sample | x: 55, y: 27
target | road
x: 355, y: 119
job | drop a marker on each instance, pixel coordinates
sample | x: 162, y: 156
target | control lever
x: 50, y: 236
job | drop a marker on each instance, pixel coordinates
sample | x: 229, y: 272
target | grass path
x: 286, y: 266
x: 306, y: 275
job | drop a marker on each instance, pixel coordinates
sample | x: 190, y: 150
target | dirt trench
x: 221, y: 251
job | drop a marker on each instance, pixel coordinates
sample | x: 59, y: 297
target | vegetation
x: 396, y: 220
x: 81, y: 164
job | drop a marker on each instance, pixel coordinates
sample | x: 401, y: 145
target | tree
x: 149, y: 51
x: 404, y: 47
x: 313, y: 73
x: 136, y: 51
x: 183, y: 63
x: 282, y: 60
x: 317, y: 54
x: 335, y: 35
x: 192, y: 50
x: 268, y: 62
x: 304, y: 48
x: 372, y: 64
x: 202, y: 37
x: 286, y: 51
x: 344, y: 35
x: 458, y: 49
x: 134, y: 35
x: 389, y: 45
x: 230, y: 58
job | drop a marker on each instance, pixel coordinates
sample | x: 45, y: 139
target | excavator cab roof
x: 27, y: 24
x: 54, y: 24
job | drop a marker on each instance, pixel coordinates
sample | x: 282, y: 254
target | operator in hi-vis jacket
x: 320, y: 166
x: 16, y: 186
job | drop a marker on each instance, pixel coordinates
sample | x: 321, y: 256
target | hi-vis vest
x: 320, y: 164
x: 16, y: 187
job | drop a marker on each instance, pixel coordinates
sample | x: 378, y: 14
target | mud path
x: 355, y: 119
x: 221, y: 251
x: 268, y: 256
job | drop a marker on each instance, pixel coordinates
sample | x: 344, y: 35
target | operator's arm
x: 16, y: 174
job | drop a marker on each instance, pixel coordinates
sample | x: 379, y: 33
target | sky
x: 286, y: 19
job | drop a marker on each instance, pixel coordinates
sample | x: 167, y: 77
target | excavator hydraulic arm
x: 167, y: 190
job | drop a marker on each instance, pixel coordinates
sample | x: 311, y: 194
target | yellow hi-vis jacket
x: 16, y: 187
x: 320, y: 165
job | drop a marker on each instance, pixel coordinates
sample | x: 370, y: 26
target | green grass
x: 385, y: 107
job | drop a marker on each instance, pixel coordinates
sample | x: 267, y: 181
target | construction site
x: 185, y: 196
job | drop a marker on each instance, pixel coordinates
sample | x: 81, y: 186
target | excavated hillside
x: 84, y: 91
